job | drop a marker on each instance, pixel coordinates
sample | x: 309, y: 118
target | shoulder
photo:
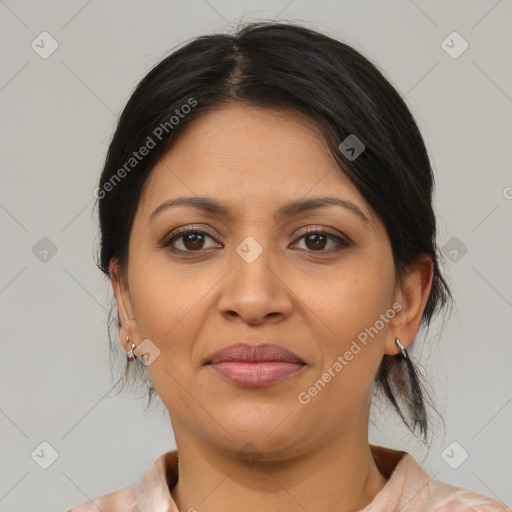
x: 445, y: 497
x: 153, y: 487
x: 411, y: 489
x: 123, y: 500
x: 431, y: 495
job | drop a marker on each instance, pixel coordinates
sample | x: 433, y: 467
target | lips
x: 254, y: 353
x: 248, y: 365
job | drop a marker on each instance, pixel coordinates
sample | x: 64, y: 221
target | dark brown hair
x: 284, y: 65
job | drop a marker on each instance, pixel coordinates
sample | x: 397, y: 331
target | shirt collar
x: 152, y: 492
x: 408, y: 478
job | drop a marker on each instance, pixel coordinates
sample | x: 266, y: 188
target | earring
x: 131, y: 356
x: 403, y: 352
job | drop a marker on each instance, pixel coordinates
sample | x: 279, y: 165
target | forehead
x: 250, y: 155
x: 243, y: 137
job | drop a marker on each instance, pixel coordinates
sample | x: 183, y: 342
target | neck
x: 339, y: 476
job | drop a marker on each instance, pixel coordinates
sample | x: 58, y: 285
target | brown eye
x: 188, y: 240
x: 316, y: 241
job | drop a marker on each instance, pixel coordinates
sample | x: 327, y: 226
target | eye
x: 316, y: 240
x: 191, y: 240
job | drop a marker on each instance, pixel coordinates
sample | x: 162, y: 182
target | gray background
x: 58, y: 115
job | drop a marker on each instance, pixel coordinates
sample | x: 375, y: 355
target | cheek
x: 350, y: 305
x: 173, y: 303
x: 168, y: 296
x: 349, y: 300
x: 169, y: 313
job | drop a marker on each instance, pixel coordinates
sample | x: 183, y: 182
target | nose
x: 255, y: 292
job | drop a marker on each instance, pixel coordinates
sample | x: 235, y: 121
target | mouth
x: 255, y: 365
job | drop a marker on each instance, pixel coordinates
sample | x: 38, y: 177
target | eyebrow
x: 210, y: 205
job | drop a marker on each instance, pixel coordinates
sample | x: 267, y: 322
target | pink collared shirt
x: 409, y: 489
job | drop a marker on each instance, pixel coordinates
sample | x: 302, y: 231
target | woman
x: 266, y: 223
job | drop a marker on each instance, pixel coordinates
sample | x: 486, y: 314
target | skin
x: 314, y: 303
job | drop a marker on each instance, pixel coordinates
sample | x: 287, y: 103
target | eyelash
x: 182, y: 232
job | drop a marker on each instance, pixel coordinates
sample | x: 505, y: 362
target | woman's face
x: 253, y: 275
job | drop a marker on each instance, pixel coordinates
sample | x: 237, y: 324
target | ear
x: 412, y: 295
x: 127, y: 324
